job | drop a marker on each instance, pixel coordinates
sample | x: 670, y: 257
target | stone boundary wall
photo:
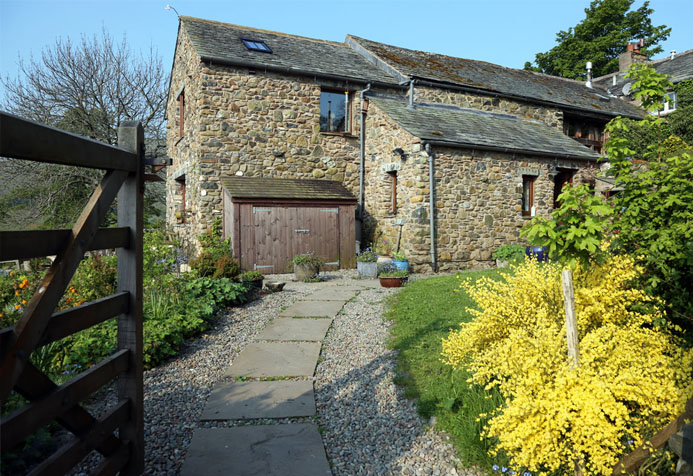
x: 553, y: 117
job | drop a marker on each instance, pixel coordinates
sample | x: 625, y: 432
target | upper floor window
x: 528, y: 195
x: 181, y: 113
x: 256, y: 45
x: 586, y: 132
x: 335, y: 111
x: 668, y: 105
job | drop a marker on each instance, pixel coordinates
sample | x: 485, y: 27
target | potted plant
x: 400, y: 261
x: 540, y: 253
x: 391, y: 277
x: 252, y: 279
x: 366, y: 264
x: 508, y: 254
x: 307, y: 266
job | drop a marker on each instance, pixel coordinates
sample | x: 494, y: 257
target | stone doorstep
x: 313, y: 309
x: 268, y: 450
x: 286, y: 328
x: 276, y: 359
x: 248, y: 400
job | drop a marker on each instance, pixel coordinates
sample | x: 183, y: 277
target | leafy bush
x: 576, y: 229
x: 215, y: 259
x: 250, y: 276
x: 399, y: 256
x: 633, y: 378
x: 510, y: 253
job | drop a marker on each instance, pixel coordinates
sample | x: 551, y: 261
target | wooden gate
x: 39, y: 325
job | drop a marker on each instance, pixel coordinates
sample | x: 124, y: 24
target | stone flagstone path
x: 271, y: 378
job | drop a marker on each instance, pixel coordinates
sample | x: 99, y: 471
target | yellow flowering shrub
x: 633, y: 377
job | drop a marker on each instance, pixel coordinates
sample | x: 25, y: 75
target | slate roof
x: 221, y: 41
x: 279, y: 188
x: 470, y: 128
x: 563, y: 93
x: 679, y: 69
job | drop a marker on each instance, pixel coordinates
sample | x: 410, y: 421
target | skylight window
x: 256, y: 45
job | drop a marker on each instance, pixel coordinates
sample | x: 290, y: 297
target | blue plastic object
x: 538, y: 252
x: 403, y: 265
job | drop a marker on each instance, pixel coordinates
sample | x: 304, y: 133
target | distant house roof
x: 470, y: 128
x: 482, y: 76
x: 222, y: 42
x: 679, y: 69
x: 279, y: 188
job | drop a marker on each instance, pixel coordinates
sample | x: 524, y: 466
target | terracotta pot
x: 392, y: 282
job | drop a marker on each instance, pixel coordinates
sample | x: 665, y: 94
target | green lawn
x: 423, y: 313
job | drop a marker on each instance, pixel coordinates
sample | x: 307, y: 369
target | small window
x: 527, y: 195
x: 181, y: 113
x: 181, y: 195
x: 335, y: 111
x: 668, y: 104
x: 393, y: 191
x: 256, y: 45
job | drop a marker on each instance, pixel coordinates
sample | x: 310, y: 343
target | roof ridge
x: 575, y: 81
x: 261, y: 30
x: 668, y: 58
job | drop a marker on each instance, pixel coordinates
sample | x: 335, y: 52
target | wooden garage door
x: 281, y: 232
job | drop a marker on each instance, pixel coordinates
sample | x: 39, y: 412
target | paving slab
x: 247, y: 400
x: 332, y: 293
x: 267, y: 450
x: 286, y: 328
x: 276, y: 359
x: 313, y: 309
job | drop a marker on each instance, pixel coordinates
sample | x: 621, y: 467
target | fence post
x: 130, y: 200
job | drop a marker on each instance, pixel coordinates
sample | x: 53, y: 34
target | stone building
x: 454, y: 156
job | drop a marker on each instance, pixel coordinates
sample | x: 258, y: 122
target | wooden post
x: 570, y: 318
x: 572, y: 337
x: 130, y: 199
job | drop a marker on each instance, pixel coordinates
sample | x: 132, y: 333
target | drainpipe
x: 362, y: 152
x: 431, y: 198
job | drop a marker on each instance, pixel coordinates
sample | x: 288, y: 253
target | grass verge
x: 423, y: 313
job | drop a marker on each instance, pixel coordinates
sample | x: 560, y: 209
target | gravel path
x: 368, y: 426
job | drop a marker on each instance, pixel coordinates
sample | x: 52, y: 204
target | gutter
x: 285, y: 70
x: 508, y: 150
x: 431, y: 200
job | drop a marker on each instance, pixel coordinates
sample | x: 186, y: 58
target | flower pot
x: 367, y: 269
x: 392, y: 282
x: 306, y: 271
x: 254, y: 283
x: 538, y: 252
x: 383, y: 261
x: 403, y: 264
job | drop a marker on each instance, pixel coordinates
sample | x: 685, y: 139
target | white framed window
x: 335, y: 111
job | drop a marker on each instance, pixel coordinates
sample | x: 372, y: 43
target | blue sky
x: 505, y: 32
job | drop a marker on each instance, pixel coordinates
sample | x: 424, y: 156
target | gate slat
x: 71, y: 321
x: 31, y: 325
x: 40, y: 243
x: 113, y: 464
x: 28, y: 140
x: 32, y: 416
x: 73, y: 452
x: 33, y: 385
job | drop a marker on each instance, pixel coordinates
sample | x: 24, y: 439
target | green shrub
x: 399, y: 256
x: 250, y: 276
x: 215, y: 259
x: 510, y: 253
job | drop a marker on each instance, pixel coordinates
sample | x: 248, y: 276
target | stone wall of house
x: 253, y: 124
x: 478, y: 197
x: 553, y: 117
x: 186, y: 76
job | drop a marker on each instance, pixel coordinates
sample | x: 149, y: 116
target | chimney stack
x: 632, y: 55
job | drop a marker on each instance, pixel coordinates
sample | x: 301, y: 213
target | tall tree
x: 600, y: 37
x: 87, y: 88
